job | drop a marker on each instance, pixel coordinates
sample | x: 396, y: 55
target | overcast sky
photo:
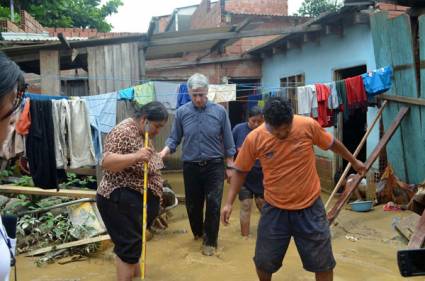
x: 135, y: 15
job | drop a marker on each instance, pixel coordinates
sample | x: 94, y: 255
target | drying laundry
x: 307, y: 100
x: 40, y: 147
x: 324, y: 113
x: 378, y: 81
x: 182, y: 95
x: 144, y: 93
x: 356, y: 94
x: 222, y: 93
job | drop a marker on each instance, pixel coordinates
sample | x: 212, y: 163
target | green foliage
x: 49, y: 229
x: 70, y: 13
x: 74, y: 181
x: 313, y: 8
x: 25, y: 181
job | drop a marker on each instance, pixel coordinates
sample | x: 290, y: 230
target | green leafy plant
x: 75, y: 181
x: 25, y: 181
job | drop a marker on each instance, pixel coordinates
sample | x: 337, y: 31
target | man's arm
x: 228, y: 142
x: 236, y: 183
x: 175, y: 137
x: 340, y: 149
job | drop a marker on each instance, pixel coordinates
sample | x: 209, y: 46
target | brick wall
x: 84, y: 32
x: 392, y: 9
x: 163, y: 22
x: 257, y: 7
x: 30, y: 24
x: 214, y: 72
x: 207, y: 15
x: 8, y: 26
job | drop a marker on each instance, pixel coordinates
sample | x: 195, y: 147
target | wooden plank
x: 142, y: 65
x: 405, y: 100
x: 50, y: 72
x: 73, y: 193
x: 407, y: 225
x: 91, y: 65
x: 117, y: 67
x: 156, y: 41
x: 402, y: 53
x: 421, y: 39
x: 134, y: 53
x: 418, y: 238
x: 109, y: 69
x: 356, y: 152
x: 381, y: 41
x: 100, y: 69
x: 352, y: 185
x: 126, y: 64
x: 83, y: 171
x: 69, y: 245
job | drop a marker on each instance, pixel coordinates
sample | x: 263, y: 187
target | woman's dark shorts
x: 122, y: 216
x: 310, y: 229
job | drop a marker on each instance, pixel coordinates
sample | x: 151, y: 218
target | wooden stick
x: 69, y: 245
x: 418, y: 237
x: 352, y: 185
x: 358, y: 149
x: 73, y: 193
x: 145, y: 206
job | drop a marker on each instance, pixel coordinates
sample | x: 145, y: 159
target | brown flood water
x: 175, y: 256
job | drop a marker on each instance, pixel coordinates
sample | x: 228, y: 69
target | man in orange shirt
x: 284, y: 146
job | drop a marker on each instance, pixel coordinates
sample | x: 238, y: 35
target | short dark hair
x: 153, y: 111
x: 278, y: 111
x: 10, y: 75
x: 254, y: 111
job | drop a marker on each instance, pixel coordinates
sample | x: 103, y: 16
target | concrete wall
x: 318, y: 61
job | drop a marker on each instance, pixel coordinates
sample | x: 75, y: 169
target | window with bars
x: 291, y: 82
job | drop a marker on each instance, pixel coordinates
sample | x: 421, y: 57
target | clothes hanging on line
x: 24, y: 119
x: 102, y: 111
x: 13, y: 144
x: 126, y: 94
x: 40, y: 147
x: 324, y: 113
x: 333, y: 102
x: 61, y: 116
x: 166, y: 93
x: 356, y: 94
x: 222, y: 93
x: 342, y: 96
x: 307, y: 100
x: 144, y: 93
x: 43, y: 97
x: 80, y: 144
x: 378, y: 81
x: 182, y: 95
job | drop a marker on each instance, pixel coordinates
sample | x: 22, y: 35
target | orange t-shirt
x: 291, y: 181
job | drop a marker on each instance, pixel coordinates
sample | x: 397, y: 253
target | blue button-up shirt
x: 205, y: 131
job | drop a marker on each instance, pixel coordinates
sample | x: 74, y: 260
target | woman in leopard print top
x: 119, y: 195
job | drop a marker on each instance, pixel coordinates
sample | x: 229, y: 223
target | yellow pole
x: 145, y: 201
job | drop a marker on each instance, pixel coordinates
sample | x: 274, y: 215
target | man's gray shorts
x: 311, y: 233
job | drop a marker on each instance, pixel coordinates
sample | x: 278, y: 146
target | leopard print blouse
x: 127, y: 138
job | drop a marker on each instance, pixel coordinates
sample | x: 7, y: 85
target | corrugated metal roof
x: 34, y: 37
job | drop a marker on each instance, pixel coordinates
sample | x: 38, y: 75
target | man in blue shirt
x: 253, y: 186
x: 207, y: 138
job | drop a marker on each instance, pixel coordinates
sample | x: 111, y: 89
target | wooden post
x: 352, y: 185
x: 50, y: 72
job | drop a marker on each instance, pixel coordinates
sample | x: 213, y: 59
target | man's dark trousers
x: 203, y: 182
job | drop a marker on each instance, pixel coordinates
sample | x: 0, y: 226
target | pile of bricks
x: 392, y: 9
x: 30, y: 24
x: 255, y: 7
x: 8, y: 26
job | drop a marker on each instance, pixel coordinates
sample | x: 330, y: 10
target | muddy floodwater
x: 364, y: 245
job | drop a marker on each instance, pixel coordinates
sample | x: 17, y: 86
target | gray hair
x: 197, y: 81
